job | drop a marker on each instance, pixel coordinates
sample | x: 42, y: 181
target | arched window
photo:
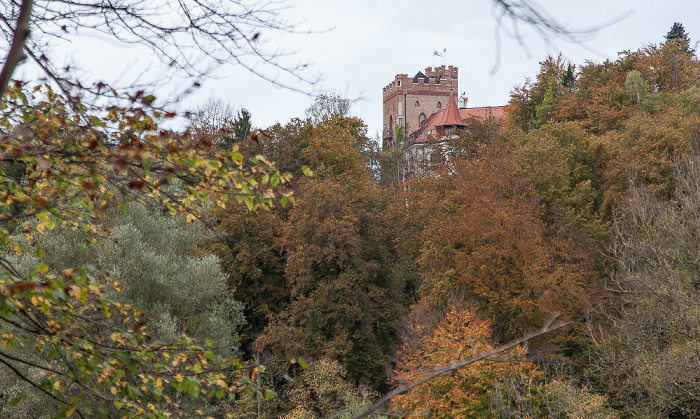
x: 399, y: 83
x: 417, y: 104
x: 421, y: 120
x: 439, y: 106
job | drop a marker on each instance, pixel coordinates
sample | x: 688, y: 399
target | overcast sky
x: 360, y: 45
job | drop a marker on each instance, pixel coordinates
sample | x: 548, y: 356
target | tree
x: 478, y: 234
x: 152, y: 257
x: 219, y: 123
x: 646, y: 357
x: 429, y: 374
x: 460, y: 334
x: 79, y: 166
x: 569, y: 78
x: 241, y: 125
x: 328, y: 105
x: 338, y: 273
x: 678, y: 32
x: 322, y: 390
x: 635, y: 84
x: 534, y: 395
x: 532, y: 104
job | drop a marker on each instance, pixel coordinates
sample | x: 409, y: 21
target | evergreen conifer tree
x: 678, y: 32
x: 569, y: 79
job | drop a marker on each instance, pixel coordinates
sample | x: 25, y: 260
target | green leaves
x: 73, y: 168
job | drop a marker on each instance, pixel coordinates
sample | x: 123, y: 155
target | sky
x: 357, y: 47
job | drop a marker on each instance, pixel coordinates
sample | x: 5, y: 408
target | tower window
x: 439, y: 105
x: 399, y: 83
x: 417, y: 104
x: 421, y: 120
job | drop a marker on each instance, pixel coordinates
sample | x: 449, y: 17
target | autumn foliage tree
x: 480, y: 238
x: 79, y: 166
x: 459, y: 335
x: 652, y: 345
x: 339, y: 251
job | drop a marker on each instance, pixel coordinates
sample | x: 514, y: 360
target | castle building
x: 423, y: 110
x: 410, y: 101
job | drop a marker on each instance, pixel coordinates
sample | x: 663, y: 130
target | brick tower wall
x: 401, y: 95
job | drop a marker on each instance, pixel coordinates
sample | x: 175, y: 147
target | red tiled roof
x: 447, y: 117
x: 450, y: 115
x: 495, y: 112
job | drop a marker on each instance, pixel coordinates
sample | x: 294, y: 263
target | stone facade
x: 409, y: 101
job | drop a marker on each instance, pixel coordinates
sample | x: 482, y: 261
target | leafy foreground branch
x: 429, y: 374
x: 93, y: 355
x: 61, y: 167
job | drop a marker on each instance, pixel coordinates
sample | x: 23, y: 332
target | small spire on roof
x: 450, y: 115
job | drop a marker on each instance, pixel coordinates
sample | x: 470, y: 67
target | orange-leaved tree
x: 461, y: 334
x: 478, y: 234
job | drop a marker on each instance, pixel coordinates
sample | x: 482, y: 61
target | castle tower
x: 409, y: 101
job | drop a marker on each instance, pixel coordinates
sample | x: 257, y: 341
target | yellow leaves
x: 73, y: 176
x: 77, y: 292
x: 117, y: 338
x: 46, y: 221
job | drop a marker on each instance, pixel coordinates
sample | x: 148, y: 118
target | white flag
x: 437, y: 53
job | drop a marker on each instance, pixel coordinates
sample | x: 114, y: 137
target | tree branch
x: 15, y: 55
x: 438, y: 371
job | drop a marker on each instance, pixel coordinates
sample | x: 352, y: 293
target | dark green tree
x: 237, y: 128
x: 241, y: 125
x: 678, y: 32
x: 569, y: 78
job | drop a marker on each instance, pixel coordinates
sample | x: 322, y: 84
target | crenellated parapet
x: 409, y: 101
x: 440, y: 80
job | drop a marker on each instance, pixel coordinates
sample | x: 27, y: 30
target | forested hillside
x: 149, y: 272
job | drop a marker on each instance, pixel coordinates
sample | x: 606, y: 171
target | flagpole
x: 444, y: 53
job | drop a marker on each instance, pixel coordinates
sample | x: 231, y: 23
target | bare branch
x: 15, y: 55
x: 189, y: 36
x: 445, y: 369
x: 547, y: 27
